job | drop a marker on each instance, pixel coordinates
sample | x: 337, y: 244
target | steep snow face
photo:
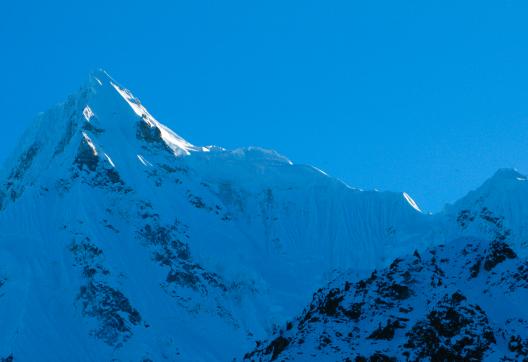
x: 102, y: 116
x: 460, y: 302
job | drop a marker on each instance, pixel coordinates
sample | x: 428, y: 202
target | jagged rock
x: 386, y: 332
x: 518, y: 345
x: 452, y: 331
x: 425, y: 322
x: 376, y: 357
x: 113, y: 311
x: 497, y: 253
x: 24, y: 163
x: 86, y: 156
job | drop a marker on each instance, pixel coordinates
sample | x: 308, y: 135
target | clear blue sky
x: 425, y: 97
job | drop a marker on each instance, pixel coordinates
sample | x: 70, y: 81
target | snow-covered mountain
x: 464, y: 301
x: 120, y: 240
x: 495, y: 211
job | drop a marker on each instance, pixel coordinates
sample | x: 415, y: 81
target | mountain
x: 495, y: 211
x: 464, y: 301
x: 123, y: 241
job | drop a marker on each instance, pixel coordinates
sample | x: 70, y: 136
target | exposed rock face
x: 149, y: 133
x: 452, y: 331
x: 87, y: 156
x: 12, y: 188
x: 427, y: 306
x: 497, y: 253
x: 109, y: 306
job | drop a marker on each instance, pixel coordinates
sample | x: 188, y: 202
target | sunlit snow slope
x: 121, y: 240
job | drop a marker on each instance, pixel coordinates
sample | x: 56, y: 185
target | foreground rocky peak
x: 460, y: 302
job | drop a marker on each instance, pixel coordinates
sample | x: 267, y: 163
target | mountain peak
x: 508, y: 174
x: 111, y: 89
x: 103, y: 116
x: 505, y: 184
x: 100, y: 76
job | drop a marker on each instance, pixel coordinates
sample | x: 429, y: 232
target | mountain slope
x: 123, y: 241
x: 460, y: 302
x: 142, y: 245
x: 497, y: 210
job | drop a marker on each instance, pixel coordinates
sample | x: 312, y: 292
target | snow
x: 175, y: 142
x: 411, y: 201
x: 109, y: 160
x: 143, y: 160
x: 271, y: 231
x: 87, y: 113
x: 90, y: 143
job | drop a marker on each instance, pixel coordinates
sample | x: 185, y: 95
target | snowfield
x: 122, y: 241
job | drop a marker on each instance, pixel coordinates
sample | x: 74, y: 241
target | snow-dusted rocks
x: 120, y: 240
x: 496, y: 210
x: 427, y: 306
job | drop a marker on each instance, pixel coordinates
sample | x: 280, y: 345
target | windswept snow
x: 411, y: 201
x: 109, y: 160
x: 177, y: 144
x: 143, y: 160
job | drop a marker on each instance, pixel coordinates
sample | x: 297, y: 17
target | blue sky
x: 425, y: 97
